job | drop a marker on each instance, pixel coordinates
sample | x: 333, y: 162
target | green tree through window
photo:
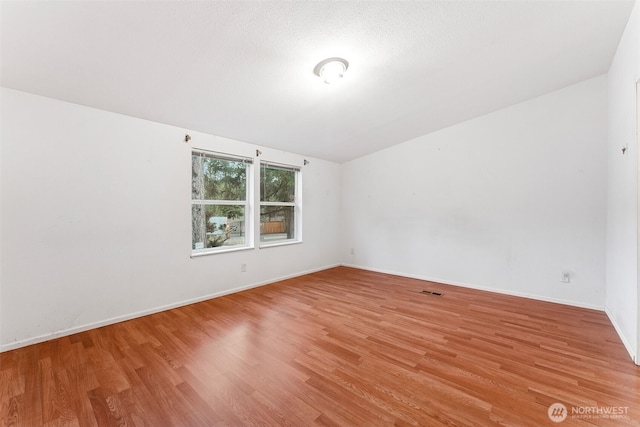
x: 278, y: 199
x: 219, y: 201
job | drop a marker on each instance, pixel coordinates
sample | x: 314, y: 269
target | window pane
x: 277, y: 185
x: 217, y: 225
x: 216, y: 179
x: 277, y: 223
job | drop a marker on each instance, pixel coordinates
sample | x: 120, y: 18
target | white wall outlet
x: 353, y: 252
x: 243, y: 268
x: 565, y: 277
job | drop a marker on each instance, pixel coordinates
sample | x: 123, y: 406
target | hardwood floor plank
x: 108, y: 409
x: 31, y: 408
x: 106, y: 370
x: 400, y: 408
x: 284, y: 391
x: 340, y: 347
x: 11, y: 384
x: 167, y: 397
x: 10, y: 411
x: 81, y: 380
x: 220, y: 403
x: 141, y: 404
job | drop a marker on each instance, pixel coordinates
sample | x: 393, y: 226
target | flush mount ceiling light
x: 331, y: 69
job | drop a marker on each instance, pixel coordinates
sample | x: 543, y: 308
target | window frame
x: 247, y: 203
x: 296, y: 204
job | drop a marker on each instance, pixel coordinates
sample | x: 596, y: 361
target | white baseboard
x: 481, y: 288
x: 624, y: 340
x: 76, y: 329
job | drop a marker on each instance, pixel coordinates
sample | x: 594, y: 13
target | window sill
x: 281, y: 243
x: 221, y: 251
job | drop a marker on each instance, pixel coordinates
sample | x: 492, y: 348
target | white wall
x: 622, y: 191
x: 96, y: 220
x: 504, y: 202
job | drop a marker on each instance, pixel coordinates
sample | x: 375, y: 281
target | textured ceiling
x: 244, y: 70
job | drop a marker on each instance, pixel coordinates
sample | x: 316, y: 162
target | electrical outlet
x: 243, y: 268
x: 353, y: 252
x: 565, y: 277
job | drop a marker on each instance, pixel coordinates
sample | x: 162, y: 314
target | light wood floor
x: 341, y: 347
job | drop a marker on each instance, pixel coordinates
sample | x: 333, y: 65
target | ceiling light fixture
x: 331, y: 69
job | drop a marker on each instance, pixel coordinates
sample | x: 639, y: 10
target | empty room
x: 292, y: 213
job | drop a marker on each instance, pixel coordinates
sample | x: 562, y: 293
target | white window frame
x: 247, y: 203
x: 296, y: 204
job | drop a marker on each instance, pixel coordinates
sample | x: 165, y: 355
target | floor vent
x: 438, y: 294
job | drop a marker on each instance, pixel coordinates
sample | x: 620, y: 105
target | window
x: 279, y: 203
x: 219, y: 202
